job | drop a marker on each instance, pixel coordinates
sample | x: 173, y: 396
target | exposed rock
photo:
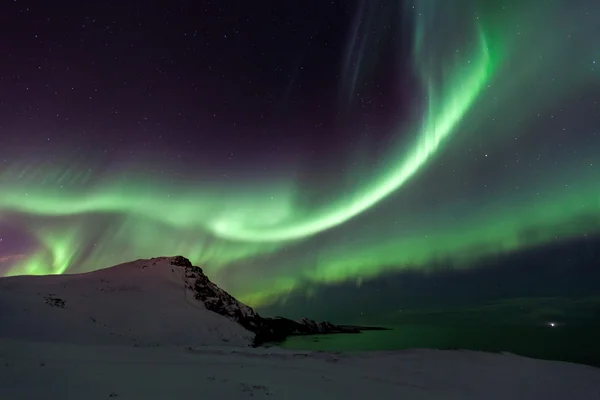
x: 217, y: 300
x: 265, y: 329
x: 181, y: 261
x: 54, y: 301
x: 279, y: 328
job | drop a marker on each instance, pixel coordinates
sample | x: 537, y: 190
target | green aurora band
x: 82, y: 222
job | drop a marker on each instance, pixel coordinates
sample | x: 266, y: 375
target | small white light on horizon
x: 552, y: 324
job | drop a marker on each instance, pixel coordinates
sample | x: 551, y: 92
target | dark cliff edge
x: 266, y: 330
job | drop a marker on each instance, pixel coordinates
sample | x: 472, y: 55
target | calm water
x: 574, y: 344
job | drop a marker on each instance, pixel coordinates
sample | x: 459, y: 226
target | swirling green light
x: 260, y: 241
x: 256, y: 218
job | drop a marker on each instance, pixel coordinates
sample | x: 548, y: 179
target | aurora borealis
x: 298, y: 148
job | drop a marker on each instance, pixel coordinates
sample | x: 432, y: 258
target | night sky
x: 315, y: 155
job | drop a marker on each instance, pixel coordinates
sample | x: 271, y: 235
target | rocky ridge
x: 265, y: 329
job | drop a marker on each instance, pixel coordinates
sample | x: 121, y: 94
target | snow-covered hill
x: 145, y: 302
x: 163, y: 300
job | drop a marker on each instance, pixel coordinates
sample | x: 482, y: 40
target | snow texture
x: 69, y: 372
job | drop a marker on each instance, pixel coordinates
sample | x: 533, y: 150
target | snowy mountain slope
x: 162, y: 300
x: 144, y: 302
x: 31, y: 371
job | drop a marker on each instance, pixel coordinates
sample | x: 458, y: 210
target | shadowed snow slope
x: 145, y: 302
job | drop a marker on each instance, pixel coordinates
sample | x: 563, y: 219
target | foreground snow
x: 61, y: 371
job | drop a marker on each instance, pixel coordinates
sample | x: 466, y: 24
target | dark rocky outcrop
x: 265, y: 329
x: 54, y: 301
x: 279, y: 328
x: 182, y: 262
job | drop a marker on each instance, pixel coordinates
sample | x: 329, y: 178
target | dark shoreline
x: 277, y: 330
x: 366, y: 328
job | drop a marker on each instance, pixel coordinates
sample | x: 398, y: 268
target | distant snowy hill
x: 145, y: 302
